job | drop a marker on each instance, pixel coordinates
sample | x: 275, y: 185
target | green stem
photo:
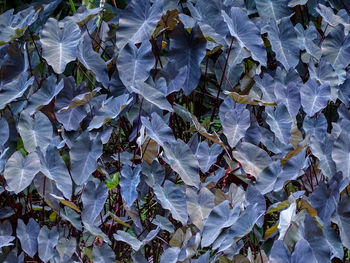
x: 72, y: 6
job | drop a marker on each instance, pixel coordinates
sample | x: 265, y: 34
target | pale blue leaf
x: 129, y: 181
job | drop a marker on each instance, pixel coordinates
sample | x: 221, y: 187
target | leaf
x: 206, y: 155
x: 128, y: 182
x: 219, y: 218
x: 83, y: 156
x: 252, y: 158
x: 307, y: 40
x: 235, y: 120
x: 187, y: 50
x: 289, y: 96
x: 341, y: 153
x: 28, y: 235
x: 246, y: 99
x: 170, y: 255
x: 137, y: 21
x: 172, y: 198
x: 47, y: 240
x: 270, y: 231
x: 44, y: 95
x: 134, y: 64
x: 109, y: 110
x: 92, y: 60
x: 343, y: 220
x: 66, y: 248
x: 104, y: 254
x: 129, y: 239
x: 182, y: 160
x: 6, y: 234
x: 199, y: 205
x: 20, y: 172
x: 284, y: 42
x: 273, y: 9
x: 94, y: 197
x: 4, y: 132
x: 280, y: 122
x: 35, y: 132
x: 67, y: 203
x: 152, y: 95
x: 54, y: 168
x: 314, y: 97
x: 60, y: 43
x: 158, y: 130
x: 13, y: 90
x: 279, y: 253
x: 70, y: 118
x: 336, y: 48
x: 246, y: 33
x: 118, y: 220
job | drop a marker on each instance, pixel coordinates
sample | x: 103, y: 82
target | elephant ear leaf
x: 137, y: 21
x: 187, y: 51
x: 35, y: 132
x: 28, y: 235
x: 47, y: 240
x: 246, y: 33
x: 60, y: 43
x: 20, y: 172
x: 280, y: 122
x: 94, y: 198
x: 103, y: 254
x: 6, y: 234
x: 83, y: 155
x: 129, y: 181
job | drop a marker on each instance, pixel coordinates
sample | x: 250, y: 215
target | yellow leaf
x: 149, y: 150
x: 67, y: 203
x: 303, y: 204
x: 246, y: 99
x: 270, y: 231
x: 118, y: 220
x: 291, y: 154
x: 278, y: 207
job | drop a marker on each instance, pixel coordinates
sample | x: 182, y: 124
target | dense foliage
x: 175, y: 131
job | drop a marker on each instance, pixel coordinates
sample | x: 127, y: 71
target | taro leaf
x: 246, y: 99
x: 137, y: 21
x: 94, y: 198
x: 314, y: 97
x: 134, y: 64
x: 341, y: 153
x: 285, y: 223
x: 13, y: 63
x: 4, y: 132
x: 199, y: 205
x: 129, y: 180
x: 97, y: 232
x: 219, y: 218
x: 54, y: 168
x: 19, y: 171
x: 6, y: 212
x: 252, y: 158
x: 6, y: 234
x: 343, y: 218
x: 103, y: 254
x: 151, y: 94
x: 234, y: 68
x: 110, y: 109
x: 12, y: 257
x: 289, y: 96
x: 158, y: 130
x: 303, y: 253
x: 306, y: 39
x: 207, y: 155
x: 155, y: 173
x: 182, y: 160
x: 280, y: 122
x: 83, y: 156
x: 279, y: 253
x: 275, y: 9
x: 268, y: 177
x: 70, y: 118
x: 28, y: 235
x: 66, y: 248
x: 322, y: 149
x: 312, y: 233
x: 47, y: 240
x: 235, y: 120
x: 324, y: 200
x: 171, y: 197
x: 315, y: 127
x: 44, y: 95
x: 336, y: 48
x: 138, y: 257
x: 170, y: 255
x: 60, y: 43
x: 92, y: 60
x: 324, y: 72
x: 129, y: 239
x: 81, y: 99
x: 267, y: 85
x: 284, y: 42
x: 246, y: 33
x: 13, y: 90
x: 71, y: 216
x: 187, y: 50
x: 328, y: 15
